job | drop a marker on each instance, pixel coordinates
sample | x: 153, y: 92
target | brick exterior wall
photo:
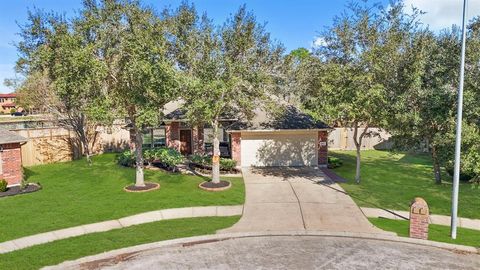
x: 172, y: 135
x: 11, y: 167
x: 236, y: 149
x: 419, y: 214
x: 322, y: 148
x: 197, y: 140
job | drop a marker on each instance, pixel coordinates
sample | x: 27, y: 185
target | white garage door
x: 279, y: 148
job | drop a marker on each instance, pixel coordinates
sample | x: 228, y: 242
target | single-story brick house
x: 291, y: 138
x: 11, y: 157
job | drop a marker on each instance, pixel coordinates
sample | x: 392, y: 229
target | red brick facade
x: 419, y: 214
x: 236, y: 149
x: 11, y: 163
x: 322, y: 148
x: 172, y: 135
x: 197, y: 140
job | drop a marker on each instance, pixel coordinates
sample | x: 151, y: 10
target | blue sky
x: 295, y: 23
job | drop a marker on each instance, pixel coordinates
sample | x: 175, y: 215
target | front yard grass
x: 75, y: 193
x: 73, y: 248
x: 437, y: 233
x: 393, y: 180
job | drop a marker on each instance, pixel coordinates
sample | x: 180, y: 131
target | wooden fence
x: 49, y: 145
x: 342, y: 139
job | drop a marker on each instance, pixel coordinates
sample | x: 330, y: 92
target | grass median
x: 73, y: 248
x: 74, y: 193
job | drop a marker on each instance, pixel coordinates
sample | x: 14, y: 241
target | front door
x: 186, y: 141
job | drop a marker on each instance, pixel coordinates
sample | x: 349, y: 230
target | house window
x: 147, y: 138
x: 154, y: 138
x: 208, y: 135
x: 158, y: 137
x: 222, y: 137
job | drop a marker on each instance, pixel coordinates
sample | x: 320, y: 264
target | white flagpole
x: 458, y: 138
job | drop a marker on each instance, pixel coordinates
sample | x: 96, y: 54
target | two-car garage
x: 280, y: 148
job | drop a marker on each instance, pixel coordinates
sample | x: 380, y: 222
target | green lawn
x: 437, y: 233
x: 393, y: 180
x: 73, y: 248
x: 74, y: 193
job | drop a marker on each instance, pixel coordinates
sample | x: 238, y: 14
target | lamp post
x: 458, y: 138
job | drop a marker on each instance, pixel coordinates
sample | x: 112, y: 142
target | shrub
x: 334, y: 162
x: 126, y: 158
x: 227, y: 164
x: 168, y: 156
x: 201, y: 159
x: 3, y: 185
x: 464, y: 175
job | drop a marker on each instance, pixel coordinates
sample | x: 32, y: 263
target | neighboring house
x: 11, y: 157
x: 291, y: 138
x: 7, y: 103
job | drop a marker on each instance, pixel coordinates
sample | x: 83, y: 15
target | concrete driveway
x: 302, y: 198
x: 286, y: 252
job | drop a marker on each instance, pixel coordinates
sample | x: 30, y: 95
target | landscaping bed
x: 207, y: 169
x: 210, y: 186
x: 17, y: 190
x: 203, y: 164
x: 145, y: 188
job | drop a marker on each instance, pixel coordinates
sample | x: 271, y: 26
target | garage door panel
x: 292, y: 149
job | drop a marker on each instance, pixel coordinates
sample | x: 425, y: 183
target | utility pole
x: 458, y: 138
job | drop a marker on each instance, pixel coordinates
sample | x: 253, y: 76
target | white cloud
x: 318, y: 42
x: 442, y: 14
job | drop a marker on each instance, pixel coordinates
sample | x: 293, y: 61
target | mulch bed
x: 17, y: 190
x: 210, y: 186
x: 148, y: 187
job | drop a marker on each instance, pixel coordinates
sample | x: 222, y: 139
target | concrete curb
x: 220, y: 237
x: 147, y: 217
x: 468, y: 223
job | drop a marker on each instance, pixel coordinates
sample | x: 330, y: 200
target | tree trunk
x: 357, y: 168
x: 139, y: 178
x: 358, y: 145
x: 86, y: 151
x: 436, y: 166
x: 216, y: 154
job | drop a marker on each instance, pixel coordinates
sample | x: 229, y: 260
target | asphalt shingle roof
x: 7, y: 136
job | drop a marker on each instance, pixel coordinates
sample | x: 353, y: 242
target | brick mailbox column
x: 419, y: 214
x: 322, y: 148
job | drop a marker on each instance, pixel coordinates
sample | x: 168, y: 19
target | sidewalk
x: 147, y: 217
x: 468, y: 223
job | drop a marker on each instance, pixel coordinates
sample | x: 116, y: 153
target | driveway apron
x: 295, y: 199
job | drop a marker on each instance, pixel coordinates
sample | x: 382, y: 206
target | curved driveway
x: 297, y: 198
